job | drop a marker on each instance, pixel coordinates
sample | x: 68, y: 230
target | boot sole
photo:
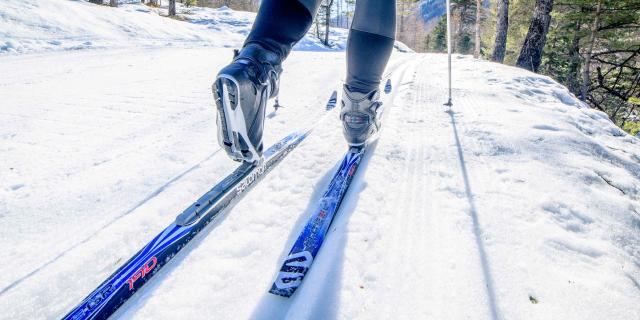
x: 232, y: 130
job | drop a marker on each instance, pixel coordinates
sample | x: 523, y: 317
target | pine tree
x: 464, y: 19
x: 440, y: 34
x: 594, y: 49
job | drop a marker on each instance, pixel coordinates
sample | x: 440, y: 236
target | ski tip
x: 388, y: 87
x: 333, y: 100
x: 285, y: 293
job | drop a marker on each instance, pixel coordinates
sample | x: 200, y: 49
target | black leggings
x: 282, y: 23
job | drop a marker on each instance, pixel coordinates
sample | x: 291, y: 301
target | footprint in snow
x: 16, y: 187
x: 545, y: 127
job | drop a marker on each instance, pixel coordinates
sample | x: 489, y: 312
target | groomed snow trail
x: 100, y: 156
x: 520, y: 203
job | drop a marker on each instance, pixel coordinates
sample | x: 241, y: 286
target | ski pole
x: 449, y: 102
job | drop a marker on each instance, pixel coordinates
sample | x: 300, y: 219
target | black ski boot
x: 360, y: 115
x: 241, y: 91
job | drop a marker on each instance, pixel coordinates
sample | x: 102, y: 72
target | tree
x: 593, y: 48
x: 113, y: 3
x: 405, y: 12
x: 172, y: 8
x: 323, y: 17
x: 440, y: 33
x: 531, y: 52
x: 586, y: 74
x: 502, y: 28
x: 96, y: 1
x: 463, y: 12
x: 327, y: 19
x: 476, y: 51
x: 574, y: 60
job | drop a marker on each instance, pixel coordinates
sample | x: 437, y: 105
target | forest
x: 590, y: 46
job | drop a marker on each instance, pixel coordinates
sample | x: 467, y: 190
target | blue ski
x: 129, y: 278
x: 310, y: 240
x: 308, y: 244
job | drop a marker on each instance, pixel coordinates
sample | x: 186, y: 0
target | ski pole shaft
x: 449, y: 102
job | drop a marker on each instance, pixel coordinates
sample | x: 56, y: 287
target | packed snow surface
x: 518, y: 203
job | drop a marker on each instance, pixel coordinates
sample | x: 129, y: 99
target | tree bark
x: 586, y: 72
x: 500, y: 46
x: 113, y: 3
x: 402, y: 9
x: 327, y: 22
x: 531, y: 54
x: 574, y: 61
x: 172, y: 8
x: 476, y: 51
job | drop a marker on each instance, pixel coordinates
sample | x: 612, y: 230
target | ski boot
x: 360, y: 115
x: 241, y: 92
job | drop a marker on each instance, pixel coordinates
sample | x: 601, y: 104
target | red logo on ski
x: 352, y: 170
x: 142, y: 272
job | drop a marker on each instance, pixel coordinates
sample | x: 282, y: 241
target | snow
x: 521, y: 193
x: 47, y: 27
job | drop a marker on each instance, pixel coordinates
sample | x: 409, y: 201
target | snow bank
x: 52, y: 25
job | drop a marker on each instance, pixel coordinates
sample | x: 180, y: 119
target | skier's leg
x: 369, y: 47
x: 242, y: 88
x: 370, y: 43
x: 280, y: 24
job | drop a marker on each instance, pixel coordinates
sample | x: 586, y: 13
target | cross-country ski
x: 310, y: 240
x: 129, y: 278
x: 319, y: 159
x: 308, y: 244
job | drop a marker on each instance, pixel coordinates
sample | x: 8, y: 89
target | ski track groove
x: 429, y: 204
x: 398, y: 234
x: 421, y: 215
x: 410, y: 234
x: 432, y: 245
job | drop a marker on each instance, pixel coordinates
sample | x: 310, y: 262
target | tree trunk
x: 500, y: 45
x: 113, y: 3
x: 573, y: 74
x: 401, y: 33
x: 586, y: 72
x: 476, y: 51
x: 172, y: 8
x: 531, y: 53
x: 96, y: 1
x: 327, y: 22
